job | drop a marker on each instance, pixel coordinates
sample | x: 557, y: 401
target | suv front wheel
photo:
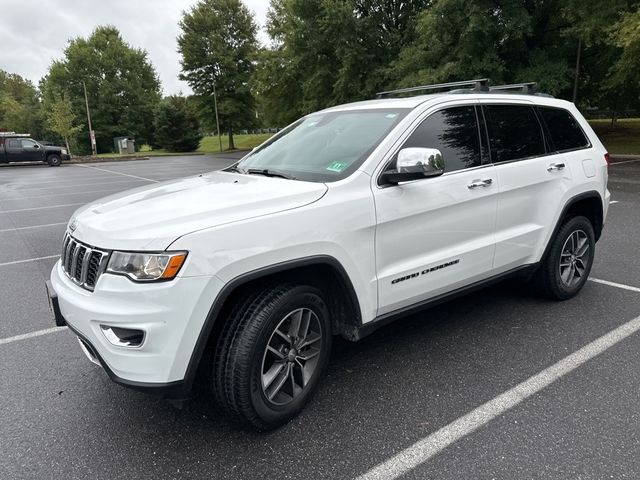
x: 271, y: 355
x: 566, y: 268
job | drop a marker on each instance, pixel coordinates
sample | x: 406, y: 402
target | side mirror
x: 414, y: 164
x: 36, y: 146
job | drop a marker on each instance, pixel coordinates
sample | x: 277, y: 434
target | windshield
x: 323, y: 147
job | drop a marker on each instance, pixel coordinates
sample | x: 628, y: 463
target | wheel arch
x: 588, y: 204
x: 323, y: 271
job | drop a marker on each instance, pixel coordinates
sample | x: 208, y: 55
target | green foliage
x: 327, y: 52
x: 19, y: 105
x: 218, y: 44
x: 625, y: 72
x: 176, y: 127
x: 61, y: 118
x: 122, y: 86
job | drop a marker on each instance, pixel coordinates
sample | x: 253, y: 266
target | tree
x: 122, y: 86
x: 19, y: 105
x: 218, y: 44
x: 329, y: 51
x: 176, y: 127
x: 61, y: 118
x: 623, y: 81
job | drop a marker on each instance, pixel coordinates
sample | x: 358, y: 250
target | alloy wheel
x: 291, y: 356
x: 574, y: 258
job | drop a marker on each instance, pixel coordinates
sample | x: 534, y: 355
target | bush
x: 176, y: 127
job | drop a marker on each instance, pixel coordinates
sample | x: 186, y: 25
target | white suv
x: 351, y: 217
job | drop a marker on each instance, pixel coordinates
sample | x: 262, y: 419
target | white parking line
x: 104, y: 181
x: 63, y: 194
x: 613, y: 202
x: 15, y: 262
x: 624, y: 161
x: 614, y: 284
x: 24, y: 336
x: 424, y: 449
x: 43, y: 208
x: 32, y: 226
x: 118, y: 173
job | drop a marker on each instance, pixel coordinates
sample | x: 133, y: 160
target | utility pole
x: 92, y: 135
x: 215, y: 104
x: 575, y: 81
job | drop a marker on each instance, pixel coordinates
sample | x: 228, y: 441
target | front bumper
x: 170, y: 313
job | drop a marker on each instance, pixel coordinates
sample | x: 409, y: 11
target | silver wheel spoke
x: 271, y: 375
x: 311, y: 339
x: 309, y: 354
x: 282, y: 379
x: 284, y: 336
x: 277, y: 353
x: 294, y: 327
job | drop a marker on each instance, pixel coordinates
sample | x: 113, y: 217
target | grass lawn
x: 623, y: 139
x: 242, y: 142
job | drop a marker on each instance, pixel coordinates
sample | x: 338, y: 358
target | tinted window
x: 13, y: 144
x: 28, y: 144
x: 565, y: 132
x: 453, y: 131
x: 514, y: 132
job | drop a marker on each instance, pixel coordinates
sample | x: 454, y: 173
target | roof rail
x: 13, y: 134
x: 523, y: 87
x: 479, y: 85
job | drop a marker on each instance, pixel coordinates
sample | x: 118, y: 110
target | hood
x: 152, y: 217
x: 52, y: 148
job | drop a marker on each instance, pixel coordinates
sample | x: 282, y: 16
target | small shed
x: 124, y: 144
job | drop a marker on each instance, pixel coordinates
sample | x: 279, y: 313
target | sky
x: 33, y: 33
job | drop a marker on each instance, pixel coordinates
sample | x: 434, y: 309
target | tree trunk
x: 231, y: 144
x: 66, y: 142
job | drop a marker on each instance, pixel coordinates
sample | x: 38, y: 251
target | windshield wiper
x: 269, y: 173
x: 234, y: 168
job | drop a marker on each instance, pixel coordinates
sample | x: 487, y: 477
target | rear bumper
x: 171, y: 314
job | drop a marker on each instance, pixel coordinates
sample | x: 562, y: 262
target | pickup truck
x: 21, y: 148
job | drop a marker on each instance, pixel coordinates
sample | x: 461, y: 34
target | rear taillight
x: 606, y: 158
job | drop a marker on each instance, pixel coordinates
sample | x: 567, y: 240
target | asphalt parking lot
x: 455, y: 392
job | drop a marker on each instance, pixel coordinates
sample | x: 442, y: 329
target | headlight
x: 64, y: 151
x: 146, y: 267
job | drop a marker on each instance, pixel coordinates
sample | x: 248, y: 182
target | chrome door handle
x: 480, y: 183
x: 555, y: 166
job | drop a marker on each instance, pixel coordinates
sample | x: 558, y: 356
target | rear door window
x: 564, y: 129
x: 453, y: 131
x: 514, y: 132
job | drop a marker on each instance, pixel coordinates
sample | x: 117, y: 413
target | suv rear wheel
x: 271, y: 355
x: 566, y: 268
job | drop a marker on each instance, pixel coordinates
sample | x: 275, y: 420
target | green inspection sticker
x: 337, y: 167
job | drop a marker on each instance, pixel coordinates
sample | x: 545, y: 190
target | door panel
x: 529, y: 199
x: 531, y: 182
x: 433, y: 236
x: 31, y: 151
x: 437, y: 234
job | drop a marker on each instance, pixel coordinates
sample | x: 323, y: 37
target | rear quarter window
x: 514, y: 132
x: 564, y: 129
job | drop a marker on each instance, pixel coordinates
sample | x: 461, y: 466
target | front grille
x: 82, y: 263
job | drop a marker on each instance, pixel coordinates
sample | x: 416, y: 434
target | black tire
x: 550, y: 281
x: 54, y: 160
x: 240, y: 356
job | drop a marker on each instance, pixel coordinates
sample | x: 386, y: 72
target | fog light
x: 123, y: 337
